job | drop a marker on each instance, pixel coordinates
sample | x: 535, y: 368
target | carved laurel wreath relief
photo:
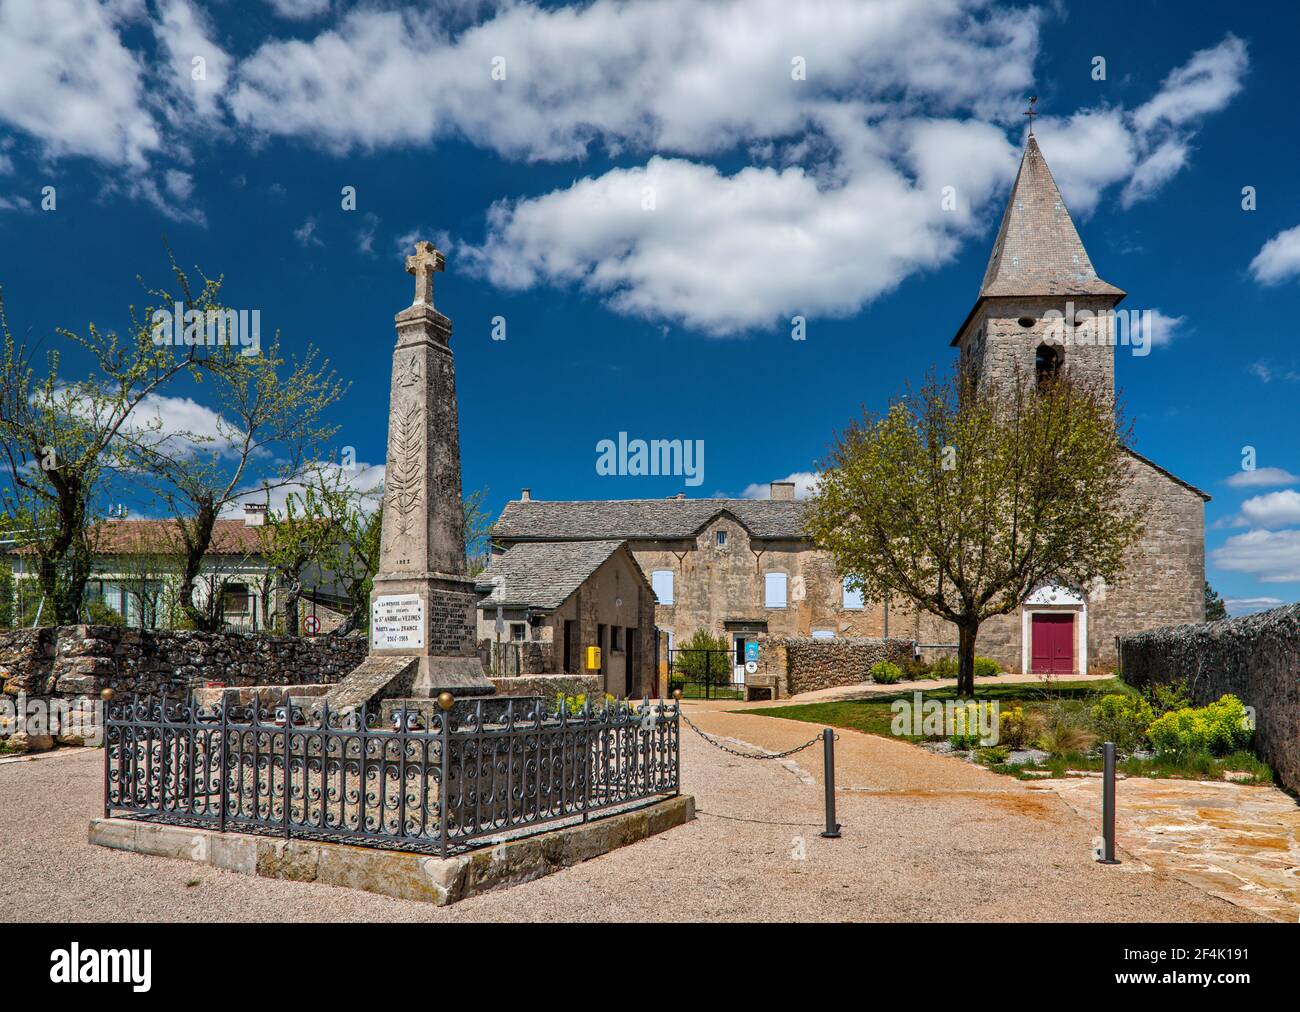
x: 405, y: 468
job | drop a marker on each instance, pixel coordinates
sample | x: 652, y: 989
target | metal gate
x: 703, y: 674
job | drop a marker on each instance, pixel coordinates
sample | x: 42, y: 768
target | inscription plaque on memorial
x: 396, y: 622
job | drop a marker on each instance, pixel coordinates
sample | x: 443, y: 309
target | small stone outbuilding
x: 543, y: 604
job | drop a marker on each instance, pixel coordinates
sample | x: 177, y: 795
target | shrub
x: 574, y: 704
x: 944, y: 667
x: 917, y: 670
x: 986, y: 667
x: 994, y: 755
x: 1123, y: 720
x: 98, y: 613
x: 1064, y: 732
x: 1164, y: 698
x: 1016, y: 728
x: 1219, y: 728
x: 703, y: 658
x: 1063, y: 739
x: 886, y: 673
x: 966, y: 733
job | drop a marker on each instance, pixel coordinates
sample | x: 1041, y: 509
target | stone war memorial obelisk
x: 422, y: 609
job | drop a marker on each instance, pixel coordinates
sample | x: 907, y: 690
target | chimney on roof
x: 526, y: 495
x: 255, y: 514
x: 783, y: 490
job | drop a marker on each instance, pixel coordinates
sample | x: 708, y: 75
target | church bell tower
x: 1041, y: 307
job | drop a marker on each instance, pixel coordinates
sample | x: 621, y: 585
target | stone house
x: 544, y: 603
x: 740, y: 568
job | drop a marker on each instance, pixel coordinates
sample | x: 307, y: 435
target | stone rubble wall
x: 824, y: 664
x: 1255, y: 657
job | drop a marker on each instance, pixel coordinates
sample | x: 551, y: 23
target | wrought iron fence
x: 702, y: 673
x: 434, y: 781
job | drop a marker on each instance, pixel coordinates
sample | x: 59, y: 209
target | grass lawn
x: 873, y: 716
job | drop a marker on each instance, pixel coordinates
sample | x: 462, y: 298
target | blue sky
x: 772, y: 197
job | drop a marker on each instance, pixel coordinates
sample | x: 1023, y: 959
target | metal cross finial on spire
x: 1031, y: 112
x: 425, y: 261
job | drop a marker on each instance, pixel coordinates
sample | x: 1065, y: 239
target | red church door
x: 1052, y: 644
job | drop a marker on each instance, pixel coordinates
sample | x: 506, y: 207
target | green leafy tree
x: 964, y: 501
x: 304, y: 535
x: 1215, y: 609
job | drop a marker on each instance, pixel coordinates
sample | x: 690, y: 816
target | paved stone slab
x: 1238, y: 842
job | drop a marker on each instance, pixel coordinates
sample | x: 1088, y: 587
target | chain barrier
x: 747, y: 755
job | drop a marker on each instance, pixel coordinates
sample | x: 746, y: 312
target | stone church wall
x: 1255, y: 657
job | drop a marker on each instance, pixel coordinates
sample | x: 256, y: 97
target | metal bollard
x: 1108, y: 804
x: 828, y: 774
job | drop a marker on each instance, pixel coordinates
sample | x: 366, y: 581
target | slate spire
x: 1038, y: 250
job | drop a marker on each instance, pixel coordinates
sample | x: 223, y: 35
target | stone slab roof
x: 542, y: 574
x: 1038, y: 250
x: 644, y: 518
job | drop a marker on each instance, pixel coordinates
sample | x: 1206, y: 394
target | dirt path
x: 951, y: 846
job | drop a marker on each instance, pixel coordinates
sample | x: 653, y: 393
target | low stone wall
x: 1255, y: 657
x: 79, y: 661
x: 550, y: 686
x: 823, y: 664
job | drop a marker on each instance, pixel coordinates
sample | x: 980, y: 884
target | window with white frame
x: 852, y: 598
x: 774, y: 585
x: 662, y: 582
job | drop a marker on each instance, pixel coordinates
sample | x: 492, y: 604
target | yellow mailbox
x: 593, y: 658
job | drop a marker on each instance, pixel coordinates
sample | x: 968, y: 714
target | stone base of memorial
x: 392, y: 873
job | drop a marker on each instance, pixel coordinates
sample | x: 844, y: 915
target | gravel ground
x: 954, y: 845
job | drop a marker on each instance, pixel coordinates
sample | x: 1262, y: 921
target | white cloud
x: 1278, y: 259
x: 1261, y: 477
x: 1164, y: 328
x: 306, y: 234
x: 805, y: 484
x: 1157, y: 167
x: 1269, y: 556
x: 70, y: 82
x: 670, y: 75
x: 1273, y: 509
x: 185, y: 35
x: 728, y: 252
x: 1250, y: 605
x: 182, y: 424
x: 1204, y: 84
x: 299, y: 10
x: 179, y: 184
x: 365, y: 479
